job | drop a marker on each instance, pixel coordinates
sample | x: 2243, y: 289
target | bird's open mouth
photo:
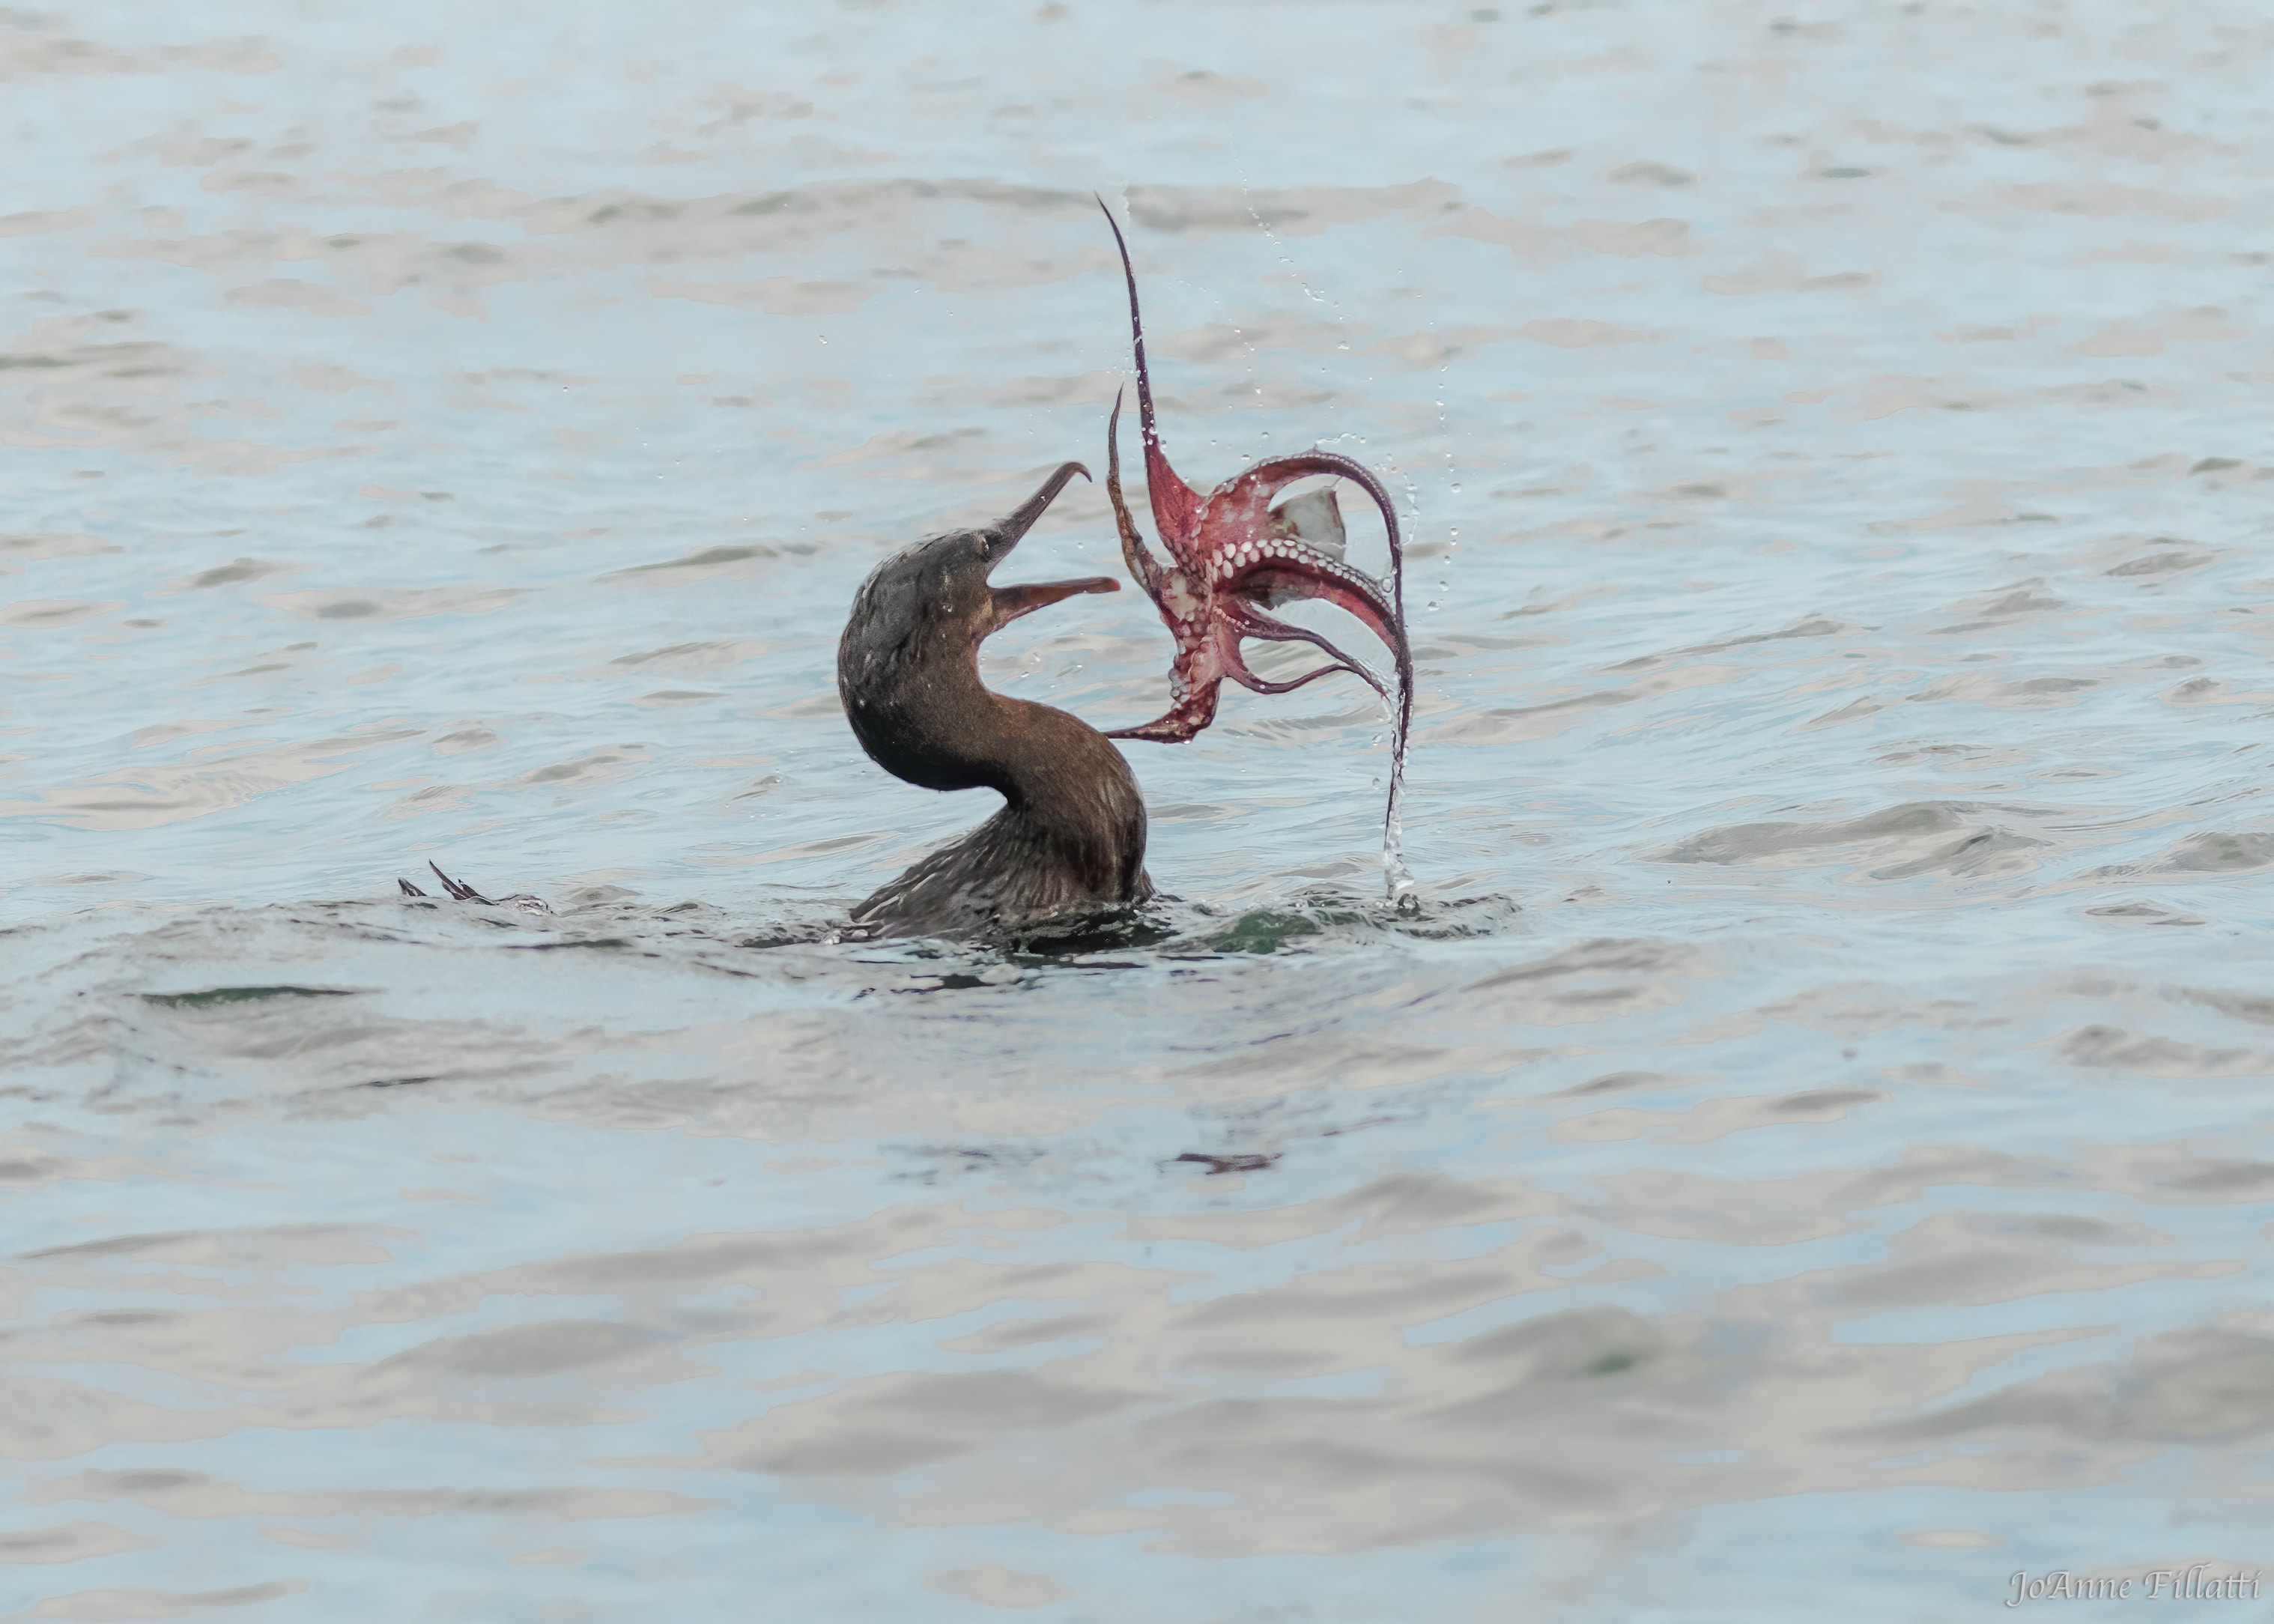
x: 1011, y: 602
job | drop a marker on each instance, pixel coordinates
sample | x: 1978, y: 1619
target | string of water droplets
x: 1452, y: 479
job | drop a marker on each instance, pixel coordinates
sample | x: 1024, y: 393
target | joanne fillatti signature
x: 2195, y: 1583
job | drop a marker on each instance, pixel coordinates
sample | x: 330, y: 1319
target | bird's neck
x: 1045, y: 755
x: 1072, y: 803
x: 937, y: 725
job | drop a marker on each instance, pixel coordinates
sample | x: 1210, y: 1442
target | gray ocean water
x: 1805, y: 1155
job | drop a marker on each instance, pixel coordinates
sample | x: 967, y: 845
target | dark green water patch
x: 1266, y: 930
x: 1230, y: 1162
x: 602, y: 942
x: 214, y: 996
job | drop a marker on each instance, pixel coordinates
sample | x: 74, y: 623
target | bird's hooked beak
x: 1011, y: 602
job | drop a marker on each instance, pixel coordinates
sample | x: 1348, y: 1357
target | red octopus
x: 1232, y: 555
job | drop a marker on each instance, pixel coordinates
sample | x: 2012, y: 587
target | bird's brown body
x: 1070, y: 838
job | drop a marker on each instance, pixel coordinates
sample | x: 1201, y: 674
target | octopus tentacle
x: 1134, y: 552
x: 1268, y: 478
x: 1249, y: 680
x: 1248, y: 621
x: 1176, y: 504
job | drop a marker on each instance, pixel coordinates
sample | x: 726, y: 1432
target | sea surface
x: 1803, y: 1153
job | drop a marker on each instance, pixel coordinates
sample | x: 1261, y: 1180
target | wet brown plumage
x: 1070, y: 838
